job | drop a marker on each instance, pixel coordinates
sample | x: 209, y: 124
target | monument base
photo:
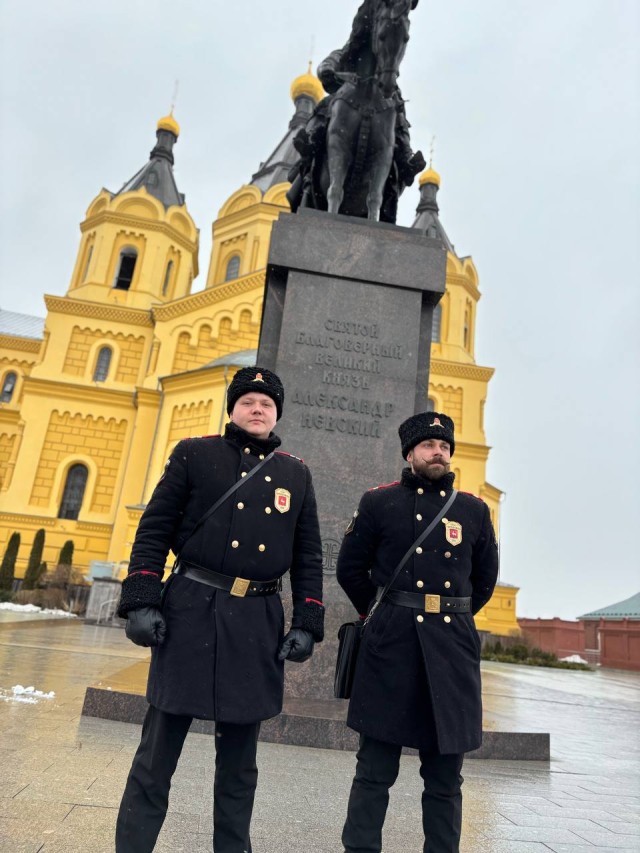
x: 318, y: 723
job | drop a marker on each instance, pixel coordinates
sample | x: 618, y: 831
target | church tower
x: 242, y: 231
x: 459, y: 386
x: 139, y: 246
x: 79, y: 440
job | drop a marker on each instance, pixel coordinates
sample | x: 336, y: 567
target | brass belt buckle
x: 240, y: 587
x: 432, y: 603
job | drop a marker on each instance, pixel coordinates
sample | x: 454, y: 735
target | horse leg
x: 383, y: 138
x: 339, y: 145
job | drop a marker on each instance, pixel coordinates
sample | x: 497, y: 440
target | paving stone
x: 580, y: 848
x: 620, y: 826
x: 13, y: 845
x: 62, y: 776
x: 608, y: 839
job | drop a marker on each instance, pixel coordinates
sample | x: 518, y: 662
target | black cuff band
x: 310, y: 617
x: 139, y: 590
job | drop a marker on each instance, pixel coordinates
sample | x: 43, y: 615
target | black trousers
x: 377, y: 769
x: 146, y: 794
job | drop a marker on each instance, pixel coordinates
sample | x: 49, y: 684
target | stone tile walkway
x: 62, y: 775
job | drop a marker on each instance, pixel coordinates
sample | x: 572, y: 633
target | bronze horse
x: 361, y: 135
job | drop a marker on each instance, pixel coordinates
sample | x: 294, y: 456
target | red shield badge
x: 282, y: 501
x: 452, y: 532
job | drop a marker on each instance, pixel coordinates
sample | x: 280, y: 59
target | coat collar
x: 414, y: 481
x: 242, y: 439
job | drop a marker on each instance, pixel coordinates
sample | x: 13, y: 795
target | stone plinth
x: 347, y: 326
x: 303, y: 722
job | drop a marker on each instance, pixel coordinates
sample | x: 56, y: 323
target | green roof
x: 627, y: 609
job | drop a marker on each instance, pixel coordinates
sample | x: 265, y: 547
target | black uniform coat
x: 417, y: 681
x: 219, y: 658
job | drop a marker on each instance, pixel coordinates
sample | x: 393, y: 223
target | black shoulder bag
x: 350, y: 634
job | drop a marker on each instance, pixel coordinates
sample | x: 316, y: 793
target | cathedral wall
x: 97, y: 442
x: 85, y: 343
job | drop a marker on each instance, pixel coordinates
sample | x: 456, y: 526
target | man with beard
x: 417, y: 680
x: 238, y: 514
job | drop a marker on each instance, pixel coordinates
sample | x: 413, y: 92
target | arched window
x: 126, y: 268
x: 436, y: 323
x: 8, y: 387
x: 233, y: 268
x: 73, y: 492
x: 102, y: 364
x: 431, y: 405
x: 167, y: 278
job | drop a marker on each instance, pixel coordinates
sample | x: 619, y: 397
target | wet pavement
x: 62, y: 775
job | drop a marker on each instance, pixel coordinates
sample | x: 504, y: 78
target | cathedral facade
x: 94, y: 397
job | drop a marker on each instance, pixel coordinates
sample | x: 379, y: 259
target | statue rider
x: 340, y: 67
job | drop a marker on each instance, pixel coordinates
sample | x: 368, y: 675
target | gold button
x: 262, y: 547
x: 247, y: 450
x: 447, y: 584
x: 267, y: 509
x: 419, y: 517
x: 443, y: 494
x: 240, y: 505
x: 244, y: 474
x: 447, y: 618
x: 235, y: 543
x: 421, y: 491
x: 418, y: 550
x: 447, y: 554
x: 268, y: 479
x: 420, y: 618
x: 261, y: 456
x: 419, y: 584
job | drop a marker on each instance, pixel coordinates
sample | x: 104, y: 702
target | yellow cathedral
x: 94, y: 397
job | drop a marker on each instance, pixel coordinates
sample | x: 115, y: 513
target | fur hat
x: 255, y: 380
x: 425, y: 425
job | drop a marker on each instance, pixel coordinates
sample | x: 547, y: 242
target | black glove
x: 297, y: 646
x: 146, y: 627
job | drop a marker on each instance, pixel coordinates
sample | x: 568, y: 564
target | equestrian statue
x: 355, y: 151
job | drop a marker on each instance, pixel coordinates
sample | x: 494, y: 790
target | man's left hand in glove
x: 297, y: 646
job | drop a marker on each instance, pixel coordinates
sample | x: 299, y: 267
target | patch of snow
x: 574, y: 659
x: 25, y: 695
x: 31, y: 608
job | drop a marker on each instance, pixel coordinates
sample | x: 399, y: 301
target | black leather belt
x: 429, y: 603
x: 239, y: 587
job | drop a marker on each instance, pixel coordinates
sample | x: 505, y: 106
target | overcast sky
x: 534, y: 106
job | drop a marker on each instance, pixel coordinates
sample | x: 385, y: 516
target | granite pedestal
x: 303, y: 722
x: 347, y: 326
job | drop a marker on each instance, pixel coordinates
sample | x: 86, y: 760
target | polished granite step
x: 303, y: 722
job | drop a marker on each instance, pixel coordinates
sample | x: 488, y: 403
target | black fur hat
x: 249, y: 380
x: 425, y: 425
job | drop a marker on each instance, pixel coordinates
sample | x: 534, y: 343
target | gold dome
x: 170, y: 124
x: 307, y: 84
x: 429, y: 176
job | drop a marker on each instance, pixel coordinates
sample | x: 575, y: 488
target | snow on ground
x: 31, y: 608
x: 25, y: 695
x: 574, y: 659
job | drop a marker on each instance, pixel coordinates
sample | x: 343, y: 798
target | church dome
x: 429, y: 176
x: 170, y: 124
x: 309, y: 85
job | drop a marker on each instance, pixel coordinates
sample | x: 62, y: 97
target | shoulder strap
x: 410, y: 552
x: 226, y: 495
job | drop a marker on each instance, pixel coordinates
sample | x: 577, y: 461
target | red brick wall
x: 620, y: 643
x: 559, y: 636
